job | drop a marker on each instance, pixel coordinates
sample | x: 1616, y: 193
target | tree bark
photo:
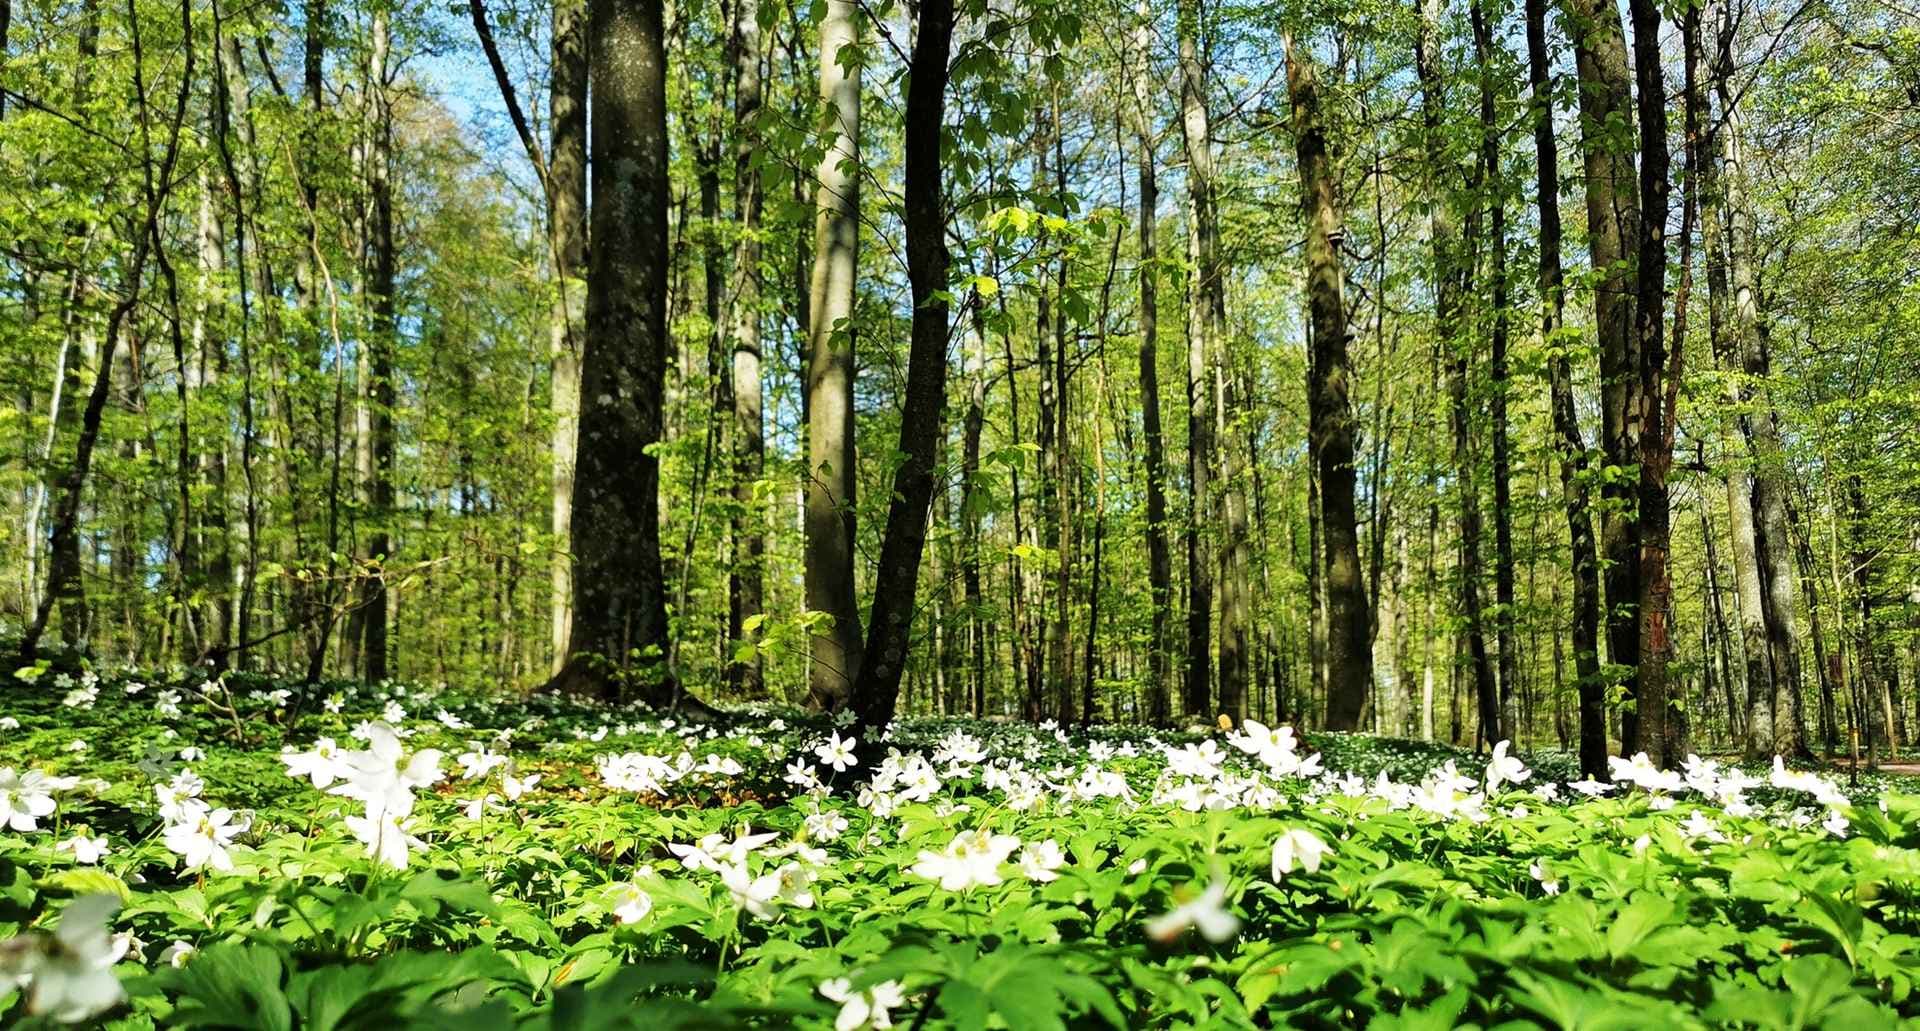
x: 831, y: 475
x: 379, y: 389
x: 619, y: 642
x: 1660, y: 730
x: 1195, y: 131
x: 1452, y: 270
x: 1349, y: 652
x: 1569, y: 444
x: 745, y: 575
x: 1613, y: 223
x: 1159, y: 561
x: 923, y: 416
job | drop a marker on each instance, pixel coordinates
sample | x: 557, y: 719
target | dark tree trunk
x: 1571, y: 447
x: 620, y: 638
x: 1198, y: 693
x: 1349, y: 654
x: 923, y: 417
x: 1159, y: 561
x: 1613, y: 221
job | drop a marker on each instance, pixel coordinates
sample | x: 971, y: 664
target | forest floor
x: 433, y: 859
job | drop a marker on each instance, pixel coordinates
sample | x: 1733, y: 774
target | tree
x: 922, y: 425
x: 1571, y: 447
x: 1349, y: 657
x: 830, y: 367
x: 1203, y: 323
x: 620, y: 634
x: 746, y: 576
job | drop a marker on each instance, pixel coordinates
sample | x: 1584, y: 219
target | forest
x: 1121, y: 416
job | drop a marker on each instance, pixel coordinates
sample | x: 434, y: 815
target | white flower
x: 176, y: 954
x: 863, y: 1009
x: 1208, y: 912
x: 1538, y: 872
x: 9, y: 723
x: 166, y: 704
x: 477, y: 808
x: 757, y: 895
x: 1040, y: 859
x: 1835, y: 823
x: 69, y: 974
x: 1504, y: 768
x: 378, y: 778
x: 24, y: 798
x: 1297, y: 847
x: 201, y: 839
x: 86, y: 851
x: 515, y: 786
x: 972, y: 858
x: 837, y: 752
x: 478, y: 763
x: 714, y: 851
x: 385, y: 837
x: 825, y: 826
x: 323, y: 764
x: 628, y: 903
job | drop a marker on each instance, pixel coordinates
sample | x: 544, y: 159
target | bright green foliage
x: 1611, y: 912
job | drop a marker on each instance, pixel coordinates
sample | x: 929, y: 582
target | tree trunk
x: 1503, y: 575
x: 379, y: 389
x: 1452, y: 269
x: 1349, y: 652
x: 923, y: 416
x: 1613, y: 223
x: 1159, y: 561
x: 567, y: 230
x: 745, y: 593
x: 1198, y: 693
x: 830, y: 373
x: 1659, y: 724
x: 1572, y: 449
x: 620, y: 636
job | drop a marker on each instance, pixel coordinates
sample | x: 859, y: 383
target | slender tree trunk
x: 1198, y: 693
x: 745, y: 592
x: 971, y: 502
x: 379, y: 396
x: 1572, y: 449
x: 1349, y: 653
x: 1159, y: 561
x: 567, y: 231
x: 830, y: 372
x: 1452, y: 270
x: 1503, y: 574
x: 921, y: 425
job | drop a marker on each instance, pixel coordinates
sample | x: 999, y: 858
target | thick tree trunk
x: 1572, y: 449
x: 620, y: 639
x: 831, y: 473
x: 1613, y: 224
x: 1659, y: 724
x: 1349, y: 652
x: 923, y: 417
